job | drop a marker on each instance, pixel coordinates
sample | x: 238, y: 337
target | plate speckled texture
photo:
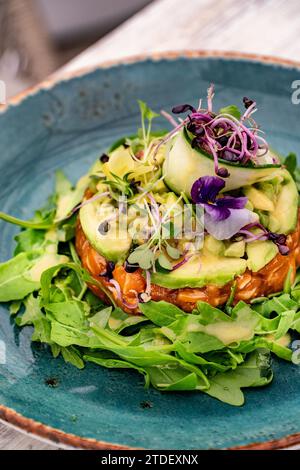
x: 68, y: 126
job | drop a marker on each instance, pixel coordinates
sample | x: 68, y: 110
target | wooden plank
x: 260, y: 26
x: 269, y: 27
x: 12, y: 439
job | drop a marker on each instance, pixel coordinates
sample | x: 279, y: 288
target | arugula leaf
x: 267, y: 343
x: 71, y: 312
x: 161, y: 313
x: 255, y: 372
x: 177, y: 379
x: 73, y: 356
x: 285, y: 323
x: 31, y: 313
x: 15, y: 281
x: 42, y: 331
x: 15, y: 307
x: 42, y: 220
x: 66, y: 231
x: 65, y: 335
x: 209, y: 314
x: 112, y: 361
x: 119, y: 320
x: 101, y: 318
x: 43, y: 225
x: 296, y: 323
x: 205, y: 364
x: 278, y: 305
x: 29, y: 240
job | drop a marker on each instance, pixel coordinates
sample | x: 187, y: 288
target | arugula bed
x: 175, y: 309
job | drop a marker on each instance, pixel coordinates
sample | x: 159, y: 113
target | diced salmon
x: 249, y: 285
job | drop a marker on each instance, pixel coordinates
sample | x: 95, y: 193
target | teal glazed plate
x: 67, y: 124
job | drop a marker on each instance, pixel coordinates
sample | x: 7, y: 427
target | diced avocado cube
x: 259, y: 254
x: 258, y: 199
x: 236, y: 250
x: 213, y: 246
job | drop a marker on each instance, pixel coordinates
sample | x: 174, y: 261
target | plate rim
x: 58, y: 77
x: 56, y: 436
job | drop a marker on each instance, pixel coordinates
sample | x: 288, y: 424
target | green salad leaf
x: 254, y: 372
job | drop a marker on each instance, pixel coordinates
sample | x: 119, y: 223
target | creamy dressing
x: 114, y: 323
x: 284, y: 341
x: 51, y: 236
x: 45, y: 262
x: 226, y: 332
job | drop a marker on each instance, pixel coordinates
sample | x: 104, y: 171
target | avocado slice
x: 183, y: 165
x: 259, y: 254
x: 200, y: 271
x: 283, y: 219
x: 114, y: 243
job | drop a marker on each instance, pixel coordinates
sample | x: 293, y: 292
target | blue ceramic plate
x: 67, y: 125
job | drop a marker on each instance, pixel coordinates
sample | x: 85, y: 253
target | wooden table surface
x: 269, y: 27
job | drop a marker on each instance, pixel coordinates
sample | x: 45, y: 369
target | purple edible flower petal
x: 232, y: 202
x: 205, y: 191
x: 227, y: 228
x: 217, y: 213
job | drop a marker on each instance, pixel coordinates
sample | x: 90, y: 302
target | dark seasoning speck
x: 52, y: 382
x: 146, y: 404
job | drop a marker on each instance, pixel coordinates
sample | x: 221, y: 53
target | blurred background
x: 39, y: 36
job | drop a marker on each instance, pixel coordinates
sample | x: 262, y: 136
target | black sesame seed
x: 52, y: 382
x: 247, y: 102
x: 196, y: 129
x: 223, y: 140
x: 223, y: 172
x: 109, y: 268
x: 104, y: 158
x: 104, y: 228
x: 134, y: 184
x: 130, y: 268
